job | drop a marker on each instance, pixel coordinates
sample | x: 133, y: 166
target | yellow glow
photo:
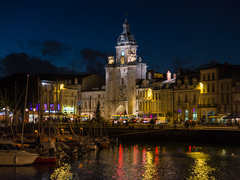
x: 201, y: 87
x: 149, y: 93
x: 200, y: 168
x: 150, y: 167
x: 62, y: 86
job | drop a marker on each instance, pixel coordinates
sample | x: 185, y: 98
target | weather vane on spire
x: 126, y: 16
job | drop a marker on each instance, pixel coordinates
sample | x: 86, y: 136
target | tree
x: 98, y: 113
x: 169, y: 114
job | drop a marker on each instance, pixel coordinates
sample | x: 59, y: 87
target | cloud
x: 50, y: 48
x: 22, y: 62
x: 94, y: 61
x: 54, y: 48
x: 76, y: 65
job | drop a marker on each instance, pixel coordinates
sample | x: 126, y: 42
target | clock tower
x: 122, y: 74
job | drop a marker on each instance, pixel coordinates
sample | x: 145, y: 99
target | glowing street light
x: 201, y: 87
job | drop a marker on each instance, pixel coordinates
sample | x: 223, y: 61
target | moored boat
x: 103, y: 141
x: 45, y: 159
x: 9, y: 155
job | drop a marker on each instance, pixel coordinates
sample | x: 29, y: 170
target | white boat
x: 103, y: 141
x: 9, y: 155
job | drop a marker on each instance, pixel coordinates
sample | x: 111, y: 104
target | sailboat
x: 102, y: 140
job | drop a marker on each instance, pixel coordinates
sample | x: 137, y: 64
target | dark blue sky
x: 80, y: 35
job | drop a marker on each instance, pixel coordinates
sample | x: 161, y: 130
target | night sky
x: 77, y: 36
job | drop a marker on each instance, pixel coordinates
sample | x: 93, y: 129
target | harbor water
x: 135, y: 160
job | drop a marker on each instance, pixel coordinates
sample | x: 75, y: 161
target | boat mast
x: 24, y: 110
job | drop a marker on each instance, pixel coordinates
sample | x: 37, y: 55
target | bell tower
x: 126, y: 49
x: 121, y: 75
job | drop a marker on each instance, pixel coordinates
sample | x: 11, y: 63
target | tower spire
x: 126, y: 25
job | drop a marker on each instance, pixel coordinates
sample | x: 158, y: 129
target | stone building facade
x: 122, y: 74
x: 130, y: 89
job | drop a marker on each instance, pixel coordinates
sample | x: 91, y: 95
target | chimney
x: 149, y: 75
x: 168, y: 76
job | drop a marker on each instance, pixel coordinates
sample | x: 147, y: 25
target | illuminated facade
x: 155, y: 94
x: 61, y: 96
x: 220, y: 91
x: 122, y: 75
x: 130, y: 89
x: 90, y: 100
x: 186, y: 94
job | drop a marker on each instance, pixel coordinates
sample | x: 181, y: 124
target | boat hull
x: 44, y: 159
x: 16, y: 157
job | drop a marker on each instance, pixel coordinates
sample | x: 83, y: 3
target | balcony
x: 207, y: 105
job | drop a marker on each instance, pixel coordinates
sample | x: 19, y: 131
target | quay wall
x: 223, y: 137
x: 217, y: 136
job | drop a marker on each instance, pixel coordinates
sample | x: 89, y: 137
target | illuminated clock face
x: 122, y: 53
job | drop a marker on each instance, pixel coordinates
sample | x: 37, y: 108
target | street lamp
x: 26, y: 114
x: 81, y: 131
x: 36, y: 132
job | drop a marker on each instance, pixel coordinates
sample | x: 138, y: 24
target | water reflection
x: 129, y: 161
x: 140, y: 161
x: 200, y: 169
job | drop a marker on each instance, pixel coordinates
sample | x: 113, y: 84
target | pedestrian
x: 193, y: 124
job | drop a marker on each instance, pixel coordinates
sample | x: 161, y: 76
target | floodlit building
x: 219, y: 95
x: 122, y: 75
x: 130, y: 90
x: 60, y: 95
x: 186, y: 95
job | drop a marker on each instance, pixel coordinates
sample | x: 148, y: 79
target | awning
x: 232, y: 117
x: 215, y: 116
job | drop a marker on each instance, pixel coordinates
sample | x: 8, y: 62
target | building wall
x: 89, y: 101
x: 91, y: 81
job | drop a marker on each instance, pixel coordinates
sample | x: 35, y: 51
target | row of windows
x: 90, y: 105
x: 208, y: 100
x: 90, y: 96
x: 208, y: 76
x: 145, y: 93
x: 143, y: 106
x: 186, y: 83
x: 148, y: 105
x: 211, y: 87
x: 186, y: 98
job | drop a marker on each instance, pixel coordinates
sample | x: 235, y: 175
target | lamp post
x: 26, y: 113
x: 36, y: 132
x: 81, y: 131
